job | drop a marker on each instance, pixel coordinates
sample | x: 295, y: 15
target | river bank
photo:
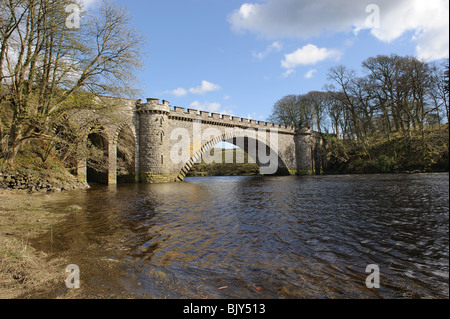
x: 22, y: 267
x: 30, y: 271
x: 38, y: 180
x: 23, y: 217
x: 427, y: 153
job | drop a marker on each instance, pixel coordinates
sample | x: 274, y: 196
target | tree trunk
x: 14, y: 141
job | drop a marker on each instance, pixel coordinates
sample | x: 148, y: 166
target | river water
x: 258, y: 237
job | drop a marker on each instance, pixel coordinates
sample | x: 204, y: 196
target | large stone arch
x: 251, y: 142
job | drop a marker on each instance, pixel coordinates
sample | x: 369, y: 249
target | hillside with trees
x: 390, y: 117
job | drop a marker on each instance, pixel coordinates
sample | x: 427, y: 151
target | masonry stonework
x: 169, y: 141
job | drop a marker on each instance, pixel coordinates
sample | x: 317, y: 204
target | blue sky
x: 240, y: 57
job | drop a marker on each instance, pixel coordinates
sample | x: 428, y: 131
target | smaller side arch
x: 123, y: 163
x: 119, y: 129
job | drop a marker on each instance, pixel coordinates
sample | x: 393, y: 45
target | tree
x: 335, y: 112
x: 403, y: 90
x: 383, y: 74
x: 48, y: 69
x: 319, y: 102
x: 440, y: 92
x: 292, y: 110
x: 348, y: 96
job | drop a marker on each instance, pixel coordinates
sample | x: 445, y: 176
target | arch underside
x: 265, y: 157
x: 125, y: 143
x: 118, y: 142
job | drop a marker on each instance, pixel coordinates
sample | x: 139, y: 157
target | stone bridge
x: 169, y: 141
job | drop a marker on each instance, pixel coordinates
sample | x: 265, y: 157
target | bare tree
x: 440, y: 92
x: 319, y: 102
x: 48, y: 69
x: 348, y: 85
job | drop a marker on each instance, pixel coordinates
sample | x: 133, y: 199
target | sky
x: 240, y: 57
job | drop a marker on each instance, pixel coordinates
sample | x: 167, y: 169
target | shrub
x: 385, y: 163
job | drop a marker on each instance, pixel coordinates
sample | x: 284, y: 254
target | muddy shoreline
x: 29, y: 270
x: 26, y: 271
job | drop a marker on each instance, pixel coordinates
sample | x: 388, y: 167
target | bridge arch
x: 123, y: 165
x: 97, y: 170
x: 112, y: 140
x: 265, y: 156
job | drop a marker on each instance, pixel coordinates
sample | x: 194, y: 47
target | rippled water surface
x: 260, y: 237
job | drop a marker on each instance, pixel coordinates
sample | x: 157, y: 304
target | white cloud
x: 255, y: 116
x: 204, y: 88
x: 177, y: 92
x: 206, y: 106
x: 228, y: 110
x: 429, y: 20
x: 309, y: 54
x: 310, y: 74
x: 430, y: 46
x: 293, y: 18
x: 274, y: 47
x: 288, y: 73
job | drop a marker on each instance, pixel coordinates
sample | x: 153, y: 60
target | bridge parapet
x: 153, y: 106
x: 180, y: 113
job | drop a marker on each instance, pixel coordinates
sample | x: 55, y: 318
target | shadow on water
x: 258, y: 237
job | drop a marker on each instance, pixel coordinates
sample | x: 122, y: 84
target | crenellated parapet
x: 153, y: 106
x: 181, y: 114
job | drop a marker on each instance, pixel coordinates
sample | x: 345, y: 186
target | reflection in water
x: 262, y: 237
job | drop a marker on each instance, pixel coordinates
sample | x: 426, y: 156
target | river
x: 258, y: 237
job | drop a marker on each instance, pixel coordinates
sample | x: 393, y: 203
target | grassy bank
x: 414, y: 153
x: 22, y: 267
x: 25, y: 187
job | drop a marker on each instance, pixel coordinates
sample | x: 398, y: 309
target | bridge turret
x: 153, y: 132
x: 153, y: 106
